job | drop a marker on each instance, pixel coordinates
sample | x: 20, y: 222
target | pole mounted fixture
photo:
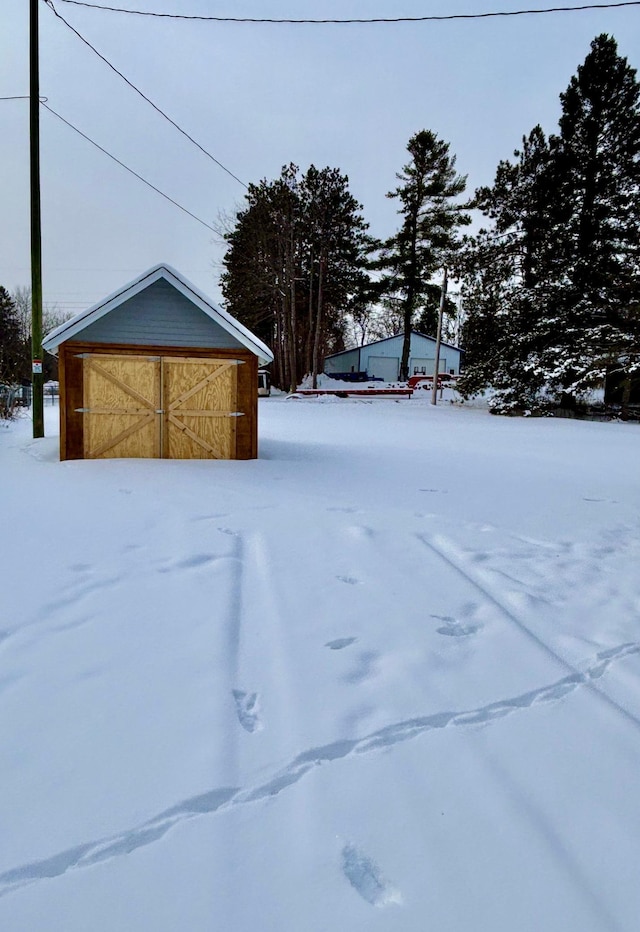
x: 36, y: 235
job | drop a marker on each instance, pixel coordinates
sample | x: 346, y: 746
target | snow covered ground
x: 386, y: 677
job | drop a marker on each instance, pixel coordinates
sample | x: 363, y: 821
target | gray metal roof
x: 394, y: 337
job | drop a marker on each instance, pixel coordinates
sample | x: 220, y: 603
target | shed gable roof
x: 86, y: 319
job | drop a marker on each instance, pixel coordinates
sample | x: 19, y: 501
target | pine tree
x: 508, y: 274
x: 12, y: 346
x: 336, y: 246
x: 296, y: 257
x: 598, y: 158
x: 427, y: 320
x: 430, y: 218
x: 564, y: 247
x: 262, y: 264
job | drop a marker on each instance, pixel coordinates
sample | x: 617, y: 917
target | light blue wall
x: 159, y: 315
x: 423, y: 350
x: 343, y: 362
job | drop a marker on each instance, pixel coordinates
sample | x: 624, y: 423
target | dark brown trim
x: 71, y: 394
x: 247, y: 428
x: 62, y: 402
x: 122, y: 349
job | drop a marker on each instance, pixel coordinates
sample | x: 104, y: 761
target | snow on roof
x: 80, y: 322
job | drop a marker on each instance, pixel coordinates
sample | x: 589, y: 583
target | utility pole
x: 36, y: 237
x: 443, y: 298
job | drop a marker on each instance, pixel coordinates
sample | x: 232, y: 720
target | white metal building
x: 381, y: 360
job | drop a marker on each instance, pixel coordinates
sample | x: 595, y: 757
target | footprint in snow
x: 191, y: 562
x: 228, y: 531
x: 365, y: 877
x: 340, y: 643
x: 247, y: 709
x: 80, y: 567
x: 454, y: 628
x: 365, y: 667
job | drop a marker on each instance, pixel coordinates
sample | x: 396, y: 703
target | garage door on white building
x: 418, y: 366
x: 384, y: 367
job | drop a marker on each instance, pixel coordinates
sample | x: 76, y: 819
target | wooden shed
x: 157, y: 370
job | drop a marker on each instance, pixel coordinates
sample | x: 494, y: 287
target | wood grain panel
x: 199, y: 400
x: 121, y: 402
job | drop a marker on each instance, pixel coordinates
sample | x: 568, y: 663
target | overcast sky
x: 257, y: 97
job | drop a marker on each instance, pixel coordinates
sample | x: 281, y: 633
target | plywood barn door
x: 200, y: 407
x: 121, y: 410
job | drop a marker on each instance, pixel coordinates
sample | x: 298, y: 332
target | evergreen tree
x: 598, y: 158
x: 508, y: 273
x: 554, y: 285
x: 336, y: 247
x: 296, y: 258
x: 262, y: 265
x: 430, y: 218
x: 12, y: 346
x: 427, y: 320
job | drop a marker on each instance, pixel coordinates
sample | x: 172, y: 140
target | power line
x: 381, y: 19
x: 130, y: 170
x: 158, y: 109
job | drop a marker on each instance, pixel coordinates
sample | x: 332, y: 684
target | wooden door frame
x: 172, y: 411
x: 146, y: 414
x: 72, y: 393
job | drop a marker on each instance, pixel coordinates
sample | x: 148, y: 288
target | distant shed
x: 157, y: 370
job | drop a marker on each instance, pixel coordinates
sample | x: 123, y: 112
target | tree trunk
x: 319, y: 316
x: 308, y: 352
x: 293, y: 367
x: 626, y: 398
x: 284, y: 345
x: 406, y: 343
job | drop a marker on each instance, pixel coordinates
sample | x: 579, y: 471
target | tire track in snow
x: 481, y: 581
x: 225, y: 798
x: 231, y: 640
x: 234, y: 614
x: 278, y: 616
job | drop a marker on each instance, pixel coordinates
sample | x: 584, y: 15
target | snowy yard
x: 385, y: 677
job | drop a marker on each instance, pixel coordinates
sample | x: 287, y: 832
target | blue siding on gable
x: 159, y: 316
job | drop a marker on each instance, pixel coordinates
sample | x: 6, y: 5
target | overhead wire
x: 130, y: 170
x: 432, y: 18
x: 148, y: 100
x: 257, y: 20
